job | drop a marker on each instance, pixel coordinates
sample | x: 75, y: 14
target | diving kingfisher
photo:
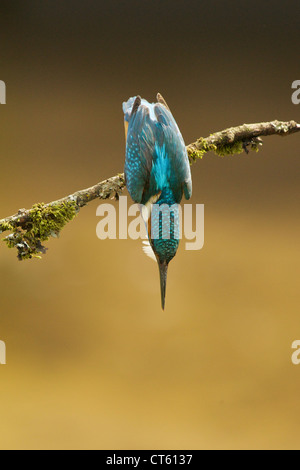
x: 157, y: 173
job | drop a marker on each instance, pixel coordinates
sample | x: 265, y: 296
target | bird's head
x: 164, y: 251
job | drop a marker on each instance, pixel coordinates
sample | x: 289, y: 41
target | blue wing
x: 156, y: 155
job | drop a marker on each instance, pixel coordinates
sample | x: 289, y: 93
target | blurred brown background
x: 92, y: 361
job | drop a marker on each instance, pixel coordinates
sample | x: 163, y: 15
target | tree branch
x: 32, y: 226
x: 237, y: 139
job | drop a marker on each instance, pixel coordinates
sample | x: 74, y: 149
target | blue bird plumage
x: 157, y: 173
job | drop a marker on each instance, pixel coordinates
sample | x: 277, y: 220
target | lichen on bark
x: 38, y: 224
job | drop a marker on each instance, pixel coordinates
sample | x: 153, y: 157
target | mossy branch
x: 29, y: 228
x: 33, y: 226
x: 235, y: 140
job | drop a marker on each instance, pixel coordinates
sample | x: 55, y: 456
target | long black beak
x: 163, y: 271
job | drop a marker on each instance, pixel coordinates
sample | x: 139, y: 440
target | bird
x: 157, y: 174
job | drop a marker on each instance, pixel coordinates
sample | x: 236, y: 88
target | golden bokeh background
x: 92, y: 361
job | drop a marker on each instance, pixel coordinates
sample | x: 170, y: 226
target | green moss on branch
x: 199, y: 149
x: 36, y: 226
x: 202, y: 146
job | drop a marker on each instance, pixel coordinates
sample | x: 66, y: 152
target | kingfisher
x: 157, y: 174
